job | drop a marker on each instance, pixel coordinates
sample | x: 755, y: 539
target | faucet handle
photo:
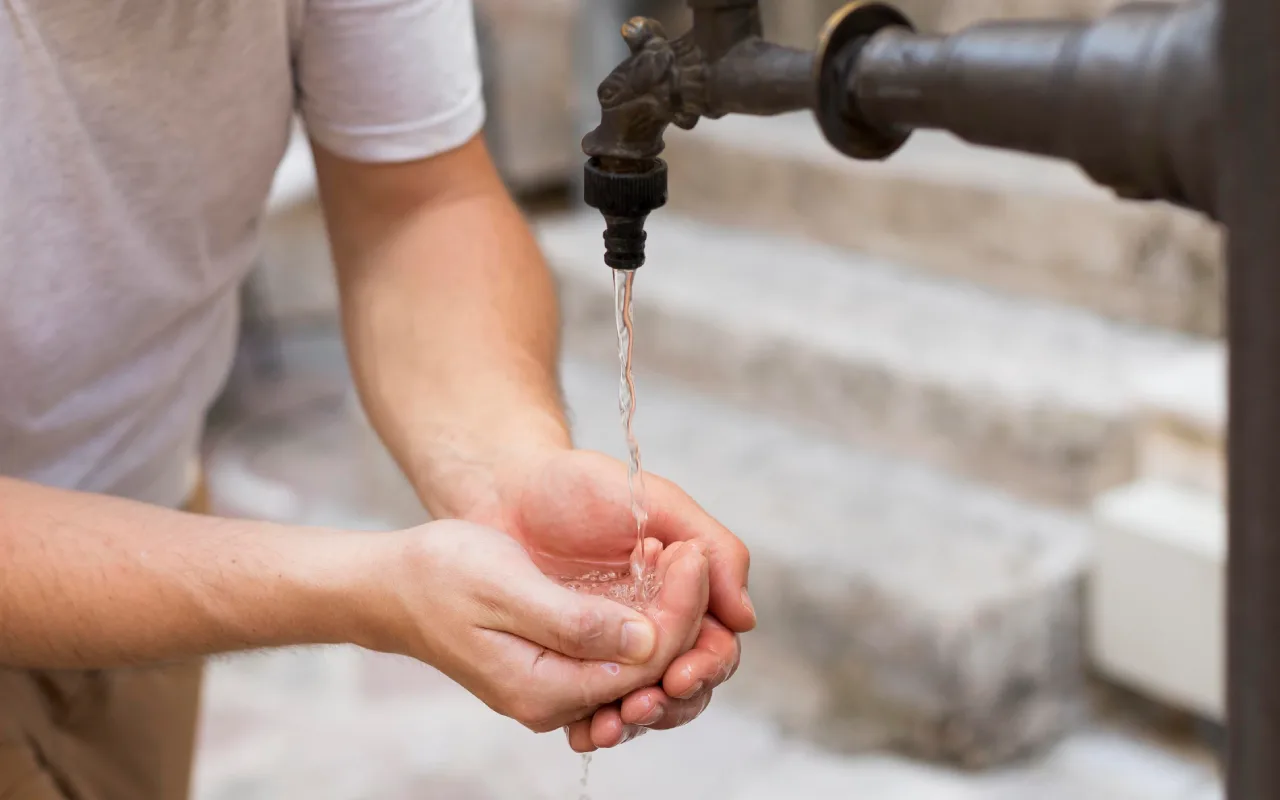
x: 661, y: 83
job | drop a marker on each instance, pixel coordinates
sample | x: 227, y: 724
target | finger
x: 712, y: 661
x: 676, y: 613
x: 579, y: 734
x: 608, y: 731
x: 579, y: 626
x: 675, y: 517
x: 654, y: 709
x: 652, y: 552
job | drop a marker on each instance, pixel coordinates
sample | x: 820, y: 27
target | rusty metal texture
x: 721, y: 66
x: 1131, y: 97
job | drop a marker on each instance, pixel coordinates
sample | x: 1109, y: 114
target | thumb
x: 584, y: 627
x: 677, y: 613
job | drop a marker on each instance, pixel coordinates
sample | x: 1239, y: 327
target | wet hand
x: 684, y: 694
x: 572, y: 510
x: 469, y: 601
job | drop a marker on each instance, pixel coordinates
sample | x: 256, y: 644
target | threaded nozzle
x: 625, y: 196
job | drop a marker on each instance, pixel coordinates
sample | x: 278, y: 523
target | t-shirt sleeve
x: 389, y: 80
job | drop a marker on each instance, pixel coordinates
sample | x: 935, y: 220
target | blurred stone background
x: 965, y: 407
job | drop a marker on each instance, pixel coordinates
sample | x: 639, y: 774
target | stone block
x: 1157, y: 595
x: 1183, y: 421
x: 1026, y: 225
x: 899, y: 608
x: 1034, y: 398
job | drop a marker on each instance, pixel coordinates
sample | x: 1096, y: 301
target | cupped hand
x: 572, y: 510
x: 470, y: 601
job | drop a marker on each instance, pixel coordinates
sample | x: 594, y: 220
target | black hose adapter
x: 625, y: 192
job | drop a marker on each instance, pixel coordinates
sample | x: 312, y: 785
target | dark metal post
x: 1251, y: 205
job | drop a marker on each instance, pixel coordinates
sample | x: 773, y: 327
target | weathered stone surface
x: 297, y: 724
x: 528, y: 52
x: 956, y: 14
x: 1027, y: 225
x: 1030, y: 397
x: 797, y: 22
x: 1157, y: 599
x: 915, y: 611
x: 1183, y: 421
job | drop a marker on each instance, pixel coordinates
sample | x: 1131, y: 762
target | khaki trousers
x: 118, y: 734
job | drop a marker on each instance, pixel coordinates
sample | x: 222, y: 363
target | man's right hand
x: 469, y: 601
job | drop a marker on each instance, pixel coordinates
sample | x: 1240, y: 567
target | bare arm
x: 451, y: 323
x: 88, y: 581
x: 92, y: 581
x: 451, y: 319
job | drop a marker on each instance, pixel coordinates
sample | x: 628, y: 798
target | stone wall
x: 797, y: 22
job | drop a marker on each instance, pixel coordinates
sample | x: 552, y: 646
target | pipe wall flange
x: 842, y: 38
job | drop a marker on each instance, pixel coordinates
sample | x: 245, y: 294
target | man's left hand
x: 572, y: 510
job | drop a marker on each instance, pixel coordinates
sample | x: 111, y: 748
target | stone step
x: 952, y: 15
x: 1156, y: 608
x: 799, y: 22
x: 899, y: 607
x: 1028, y: 396
x: 1028, y: 225
x: 338, y: 723
x: 1182, y: 434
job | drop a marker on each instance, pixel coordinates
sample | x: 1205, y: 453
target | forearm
x: 88, y: 581
x: 451, y: 320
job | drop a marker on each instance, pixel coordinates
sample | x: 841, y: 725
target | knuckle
x: 530, y: 712
x: 580, y: 629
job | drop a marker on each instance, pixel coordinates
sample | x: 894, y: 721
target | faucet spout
x: 721, y: 66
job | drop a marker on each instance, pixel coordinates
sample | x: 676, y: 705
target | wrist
x: 467, y: 476
x: 328, y: 588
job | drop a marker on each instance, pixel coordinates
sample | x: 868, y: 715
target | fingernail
x: 654, y: 716
x: 612, y: 669
x: 746, y: 601
x: 697, y: 687
x: 638, y: 641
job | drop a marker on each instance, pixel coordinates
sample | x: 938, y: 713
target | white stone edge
x: 1191, y: 390
x: 1156, y: 601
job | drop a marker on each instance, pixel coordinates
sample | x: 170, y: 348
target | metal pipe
x: 1131, y: 97
x: 761, y: 79
x: 1251, y: 210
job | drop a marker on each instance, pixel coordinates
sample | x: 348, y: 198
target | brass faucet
x: 1132, y: 97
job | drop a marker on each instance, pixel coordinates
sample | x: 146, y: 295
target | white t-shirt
x: 138, y: 142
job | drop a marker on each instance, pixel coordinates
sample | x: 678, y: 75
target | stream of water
x: 623, y: 285
x: 641, y: 589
